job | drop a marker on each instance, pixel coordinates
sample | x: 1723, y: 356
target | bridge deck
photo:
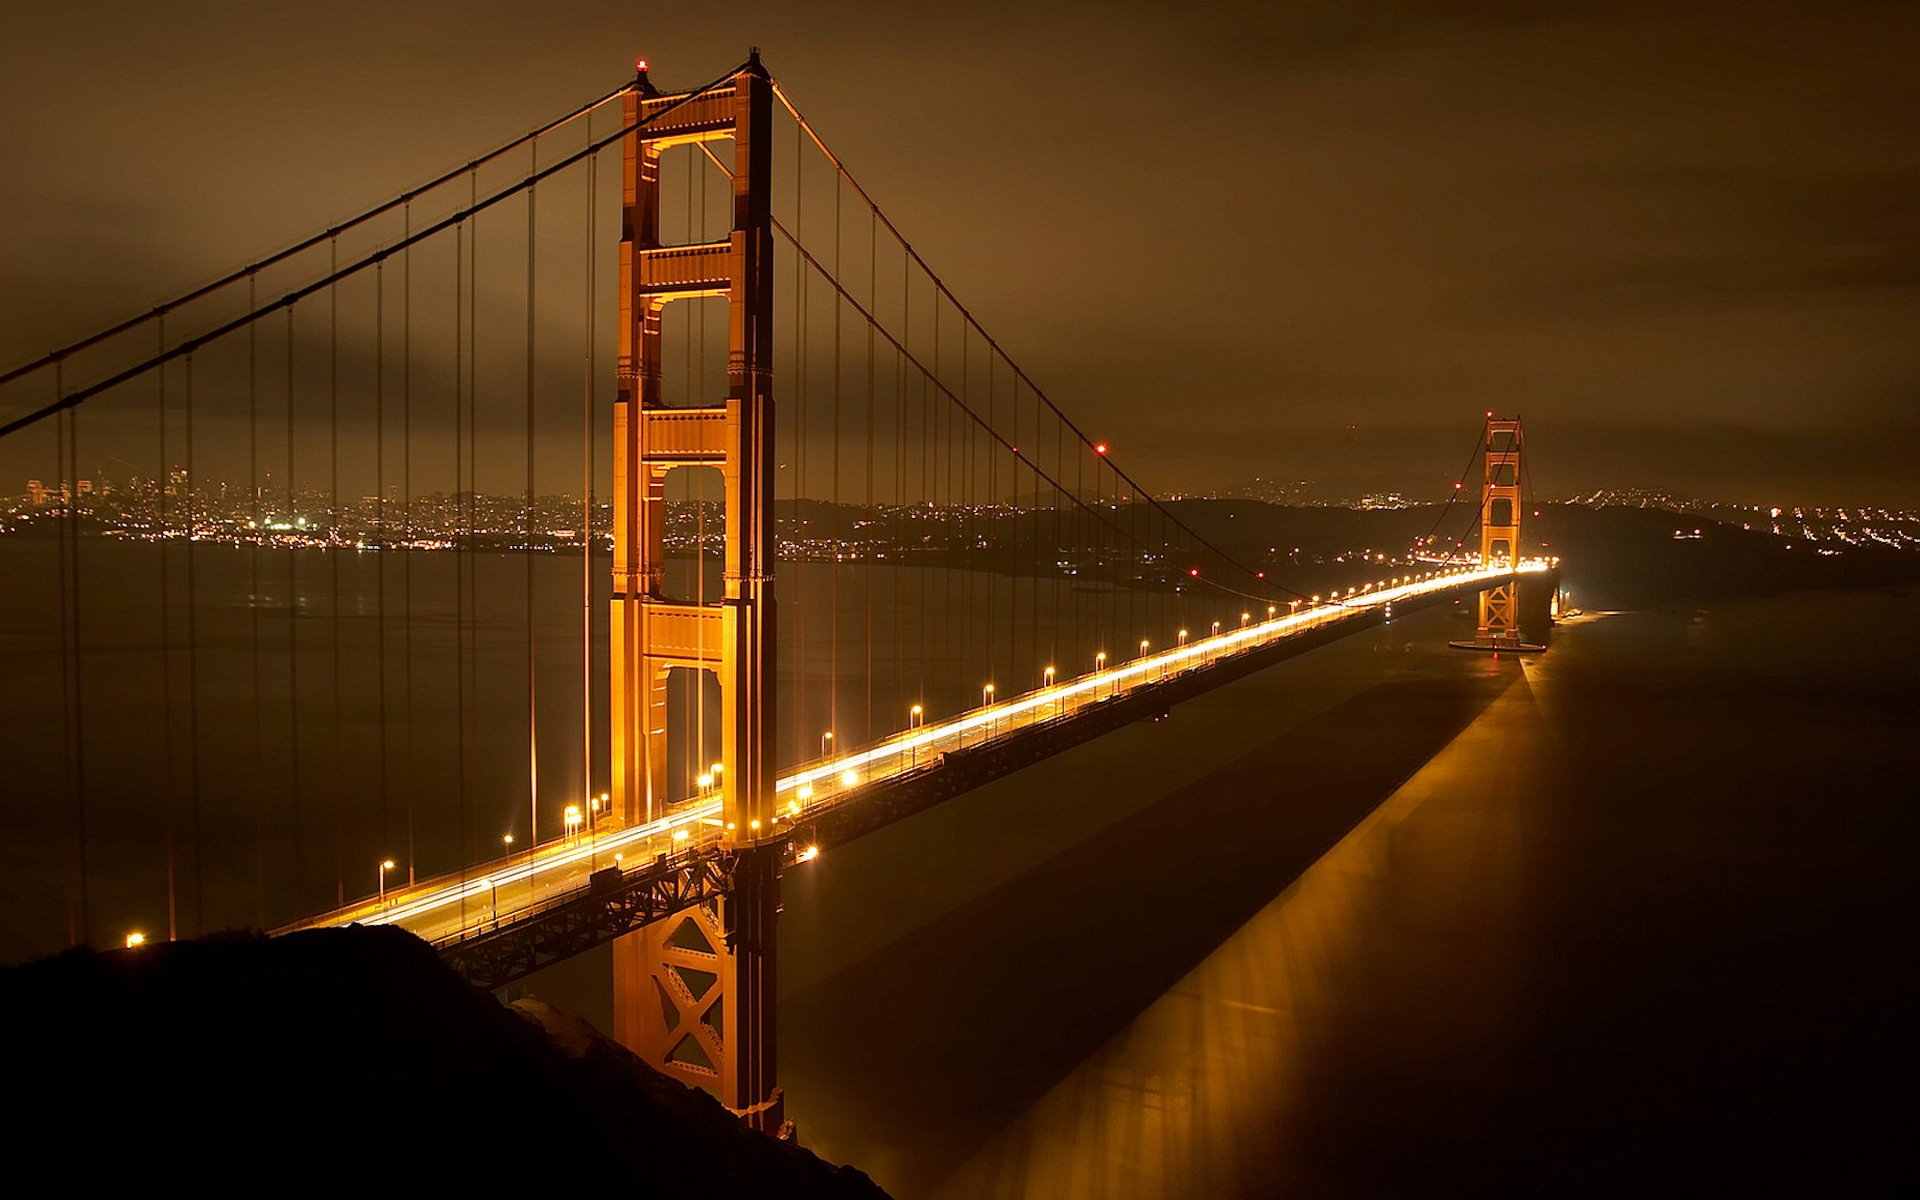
x: 492, y: 898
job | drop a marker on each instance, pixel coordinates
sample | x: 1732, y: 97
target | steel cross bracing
x: 614, y: 903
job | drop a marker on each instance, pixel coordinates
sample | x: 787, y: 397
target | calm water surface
x: 1629, y: 917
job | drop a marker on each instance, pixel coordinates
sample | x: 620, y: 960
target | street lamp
x: 826, y: 740
x: 572, y: 816
x: 1216, y: 624
x: 986, y: 701
x: 1100, y: 662
x: 136, y: 938
x: 915, y: 716
x: 1183, y: 637
x: 1245, y: 617
x: 385, y: 866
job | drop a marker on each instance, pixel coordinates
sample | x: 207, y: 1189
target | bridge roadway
x: 452, y: 909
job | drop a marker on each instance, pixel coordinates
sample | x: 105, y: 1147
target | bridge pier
x: 694, y: 994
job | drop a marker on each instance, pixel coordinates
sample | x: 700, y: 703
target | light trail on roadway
x: 476, y: 901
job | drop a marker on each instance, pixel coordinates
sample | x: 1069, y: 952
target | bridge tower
x: 694, y: 994
x: 1500, y: 533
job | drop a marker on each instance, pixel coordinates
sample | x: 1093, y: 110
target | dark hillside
x: 349, y: 1059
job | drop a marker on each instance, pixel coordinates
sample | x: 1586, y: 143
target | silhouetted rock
x: 349, y: 1058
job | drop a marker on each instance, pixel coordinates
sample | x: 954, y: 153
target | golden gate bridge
x: 618, y: 302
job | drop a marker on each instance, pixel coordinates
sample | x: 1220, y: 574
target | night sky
x: 1300, y: 241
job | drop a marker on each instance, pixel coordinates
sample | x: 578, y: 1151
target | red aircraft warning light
x: 1099, y: 447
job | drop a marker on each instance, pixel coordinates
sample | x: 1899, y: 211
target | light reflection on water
x: 1196, y: 1095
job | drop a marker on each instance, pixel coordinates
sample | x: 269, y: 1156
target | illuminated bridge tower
x: 694, y: 994
x: 1500, y: 534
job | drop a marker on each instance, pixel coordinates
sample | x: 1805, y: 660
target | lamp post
x: 826, y: 741
x: 1100, y: 662
x: 986, y: 702
x: 1047, y: 681
x: 916, y: 716
x: 385, y: 866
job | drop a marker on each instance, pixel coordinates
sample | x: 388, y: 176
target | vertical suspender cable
x: 166, y: 652
x: 833, y: 574
x: 293, y: 634
x: 465, y: 841
x: 257, y: 531
x: 801, y: 728
x: 899, y: 523
x: 867, y: 564
x: 69, y: 666
x: 70, y: 489
x: 460, y: 552
x: 586, y: 486
x: 533, y: 710
x: 380, y: 535
x: 193, y: 669
x: 84, y: 924
x: 406, y: 501
x: 337, y: 794
x: 970, y: 521
x: 989, y: 523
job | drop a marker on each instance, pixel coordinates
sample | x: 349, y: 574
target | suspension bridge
x: 423, y: 572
